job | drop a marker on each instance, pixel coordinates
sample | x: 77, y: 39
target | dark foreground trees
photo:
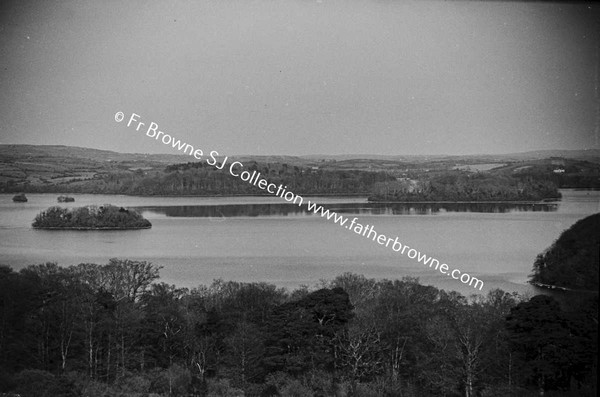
x: 557, y: 349
x: 115, y: 330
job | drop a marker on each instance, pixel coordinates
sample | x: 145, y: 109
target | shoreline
x: 92, y: 228
x: 556, y: 287
x: 543, y: 201
x: 549, y: 200
x: 366, y: 194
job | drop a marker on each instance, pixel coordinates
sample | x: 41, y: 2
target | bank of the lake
x: 93, y: 228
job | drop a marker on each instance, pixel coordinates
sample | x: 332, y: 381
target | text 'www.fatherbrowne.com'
x: 254, y: 178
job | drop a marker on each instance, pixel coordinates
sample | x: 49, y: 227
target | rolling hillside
x: 54, y: 168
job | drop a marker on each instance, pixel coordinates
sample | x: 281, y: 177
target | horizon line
x: 318, y: 155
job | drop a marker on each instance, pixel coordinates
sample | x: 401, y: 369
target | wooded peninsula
x: 572, y: 261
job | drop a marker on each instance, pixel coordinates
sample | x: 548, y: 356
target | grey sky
x: 301, y: 77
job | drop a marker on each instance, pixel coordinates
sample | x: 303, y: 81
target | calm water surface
x: 263, y: 239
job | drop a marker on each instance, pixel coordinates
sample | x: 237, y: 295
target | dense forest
x: 116, y: 330
x: 90, y: 217
x: 466, y: 186
x: 572, y: 260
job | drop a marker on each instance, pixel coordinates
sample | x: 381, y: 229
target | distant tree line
x: 90, y: 217
x: 115, y: 330
x: 466, y: 186
x: 202, y: 179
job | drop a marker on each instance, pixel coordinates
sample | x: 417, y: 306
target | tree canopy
x: 572, y: 260
x: 90, y: 217
x: 116, y: 329
x: 465, y: 186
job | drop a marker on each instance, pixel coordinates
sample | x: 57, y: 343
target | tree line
x: 202, y: 179
x: 116, y: 330
x: 465, y: 186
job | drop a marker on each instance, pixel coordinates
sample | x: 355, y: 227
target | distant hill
x: 37, y: 165
x: 33, y: 167
x: 583, y: 154
x: 37, y: 152
x: 64, y: 169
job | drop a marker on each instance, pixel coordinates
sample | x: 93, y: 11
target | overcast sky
x: 301, y: 77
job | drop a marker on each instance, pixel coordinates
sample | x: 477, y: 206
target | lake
x: 198, y: 239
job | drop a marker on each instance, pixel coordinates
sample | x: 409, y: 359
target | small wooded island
x: 105, y: 217
x: 65, y: 199
x: 20, y: 198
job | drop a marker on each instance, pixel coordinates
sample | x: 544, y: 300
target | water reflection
x: 283, y: 209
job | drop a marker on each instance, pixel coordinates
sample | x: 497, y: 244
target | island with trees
x: 65, y: 199
x: 105, y: 217
x: 20, y: 198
